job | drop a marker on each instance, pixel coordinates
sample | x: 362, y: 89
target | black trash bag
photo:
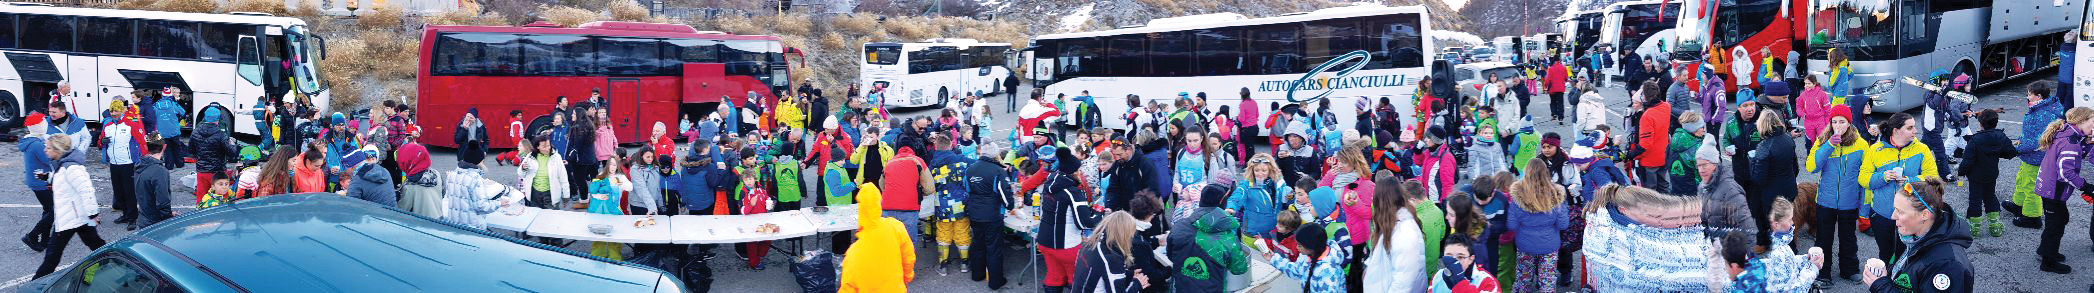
x: 657, y: 259
x: 697, y: 277
x: 818, y: 274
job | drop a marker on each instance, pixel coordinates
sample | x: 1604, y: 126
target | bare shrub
x: 628, y: 10
x: 567, y: 16
x: 192, y: 6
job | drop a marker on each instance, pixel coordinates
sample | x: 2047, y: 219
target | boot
x: 2058, y: 267
x: 1977, y: 226
x: 2028, y: 222
x: 1993, y: 223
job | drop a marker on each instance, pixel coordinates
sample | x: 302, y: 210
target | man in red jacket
x: 1652, y: 138
x: 903, y: 186
x: 1556, y: 76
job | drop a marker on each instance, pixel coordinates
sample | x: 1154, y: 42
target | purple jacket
x: 2062, y: 161
x: 1537, y: 233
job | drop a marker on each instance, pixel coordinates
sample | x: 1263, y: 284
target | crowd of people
x: 1697, y: 190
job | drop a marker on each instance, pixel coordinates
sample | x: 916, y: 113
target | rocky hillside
x: 1523, y: 17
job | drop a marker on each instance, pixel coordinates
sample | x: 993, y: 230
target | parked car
x: 324, y: 242
x: 1469, y: 77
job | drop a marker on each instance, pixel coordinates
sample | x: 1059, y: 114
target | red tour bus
x: 648, y: 72
x: 1738, y: 28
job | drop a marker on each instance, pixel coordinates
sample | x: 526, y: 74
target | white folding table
x: 575, y: 226
x: 738, y: 228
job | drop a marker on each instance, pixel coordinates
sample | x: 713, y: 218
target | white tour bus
x: 1639, y: 26
x: 1364, y: 51
x: 930, y: 73
x: 2083, y: 61
x: 231, y: 60
x: 1885, y: 43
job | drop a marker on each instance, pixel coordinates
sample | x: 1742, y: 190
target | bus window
x: 1328, y: 39
x: 1128, y: 56
x: 110, y: 35
x: 50, y: 33
x: 1277, y: 47
x: 883, y: 55
x: 1221, y: 51
x: 1741, y: 19
x: 167, y: 39
x: 1917, y: 39
x: 1078, y: 57
x: 1397, y: 42
x: 628, y: 56
x: 1170, y: 54
x: 695, y: 51
x: 558, y: 55
x: 1862, y: 29
x: 476, y: 54
x: 7, y: 30
x: 221, y: 41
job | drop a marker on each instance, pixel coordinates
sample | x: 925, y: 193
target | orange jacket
x: 307, y: 178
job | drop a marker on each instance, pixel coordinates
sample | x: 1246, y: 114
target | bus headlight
x: 1879, y: 88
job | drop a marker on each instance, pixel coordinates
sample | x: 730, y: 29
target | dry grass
x: 740, y: 25
x: 835, y: 41
x: 471, y: 14
x: 911, y: 29
x: 306, y: 9
x: 856, y: 24
x: 135, y: 5
x: 628, y: 10
x: 192, y: 6
x: 272, y: 7
x: 568, y: 16
x: 796, y: 24
x: 382, y: 17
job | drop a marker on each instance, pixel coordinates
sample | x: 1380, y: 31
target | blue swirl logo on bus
x: 1342, y: 78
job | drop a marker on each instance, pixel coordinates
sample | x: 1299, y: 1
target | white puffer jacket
x: 72, y: 194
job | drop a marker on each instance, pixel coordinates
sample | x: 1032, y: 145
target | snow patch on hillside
x: 1075, y: 20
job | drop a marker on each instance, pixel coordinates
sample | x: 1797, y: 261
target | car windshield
x: 1503, y: 73
x: 1482, y: 51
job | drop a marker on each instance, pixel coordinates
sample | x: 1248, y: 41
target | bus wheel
x: 10, y: 112
x: 942, y: 95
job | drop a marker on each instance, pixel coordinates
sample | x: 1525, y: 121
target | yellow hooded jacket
x: 883, y: 259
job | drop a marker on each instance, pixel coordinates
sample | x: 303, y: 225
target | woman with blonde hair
x: 1257, y: 196
x: 1773, y: 164
x: 1537, y: 225
x: 2065, y: 143
x: 1106, y: 261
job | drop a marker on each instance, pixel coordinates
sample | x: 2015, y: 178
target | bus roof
x: 970, y: 43
x: 1194, y: 22
x: 240, y: 18
x: 1617, y: 6
x: 606, y: 28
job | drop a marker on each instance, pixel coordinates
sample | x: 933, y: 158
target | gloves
x: 1863, y: 224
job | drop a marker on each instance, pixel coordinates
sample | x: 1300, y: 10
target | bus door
x: 86, y: 97
x: 621, y: 97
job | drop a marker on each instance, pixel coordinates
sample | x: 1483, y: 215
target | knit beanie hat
x: 1745, y: 95
x: 471, y: 153
x: 1707, y: 152
x: 1843, y: 112
x: 1214, y: 195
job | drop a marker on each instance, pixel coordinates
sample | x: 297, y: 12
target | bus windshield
x: 883, y: 55
x: 2086, y: 27
x: 1693, y: 27
x: 305, y: 50
x: 1639, y: 22
x: 1864, y: 29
